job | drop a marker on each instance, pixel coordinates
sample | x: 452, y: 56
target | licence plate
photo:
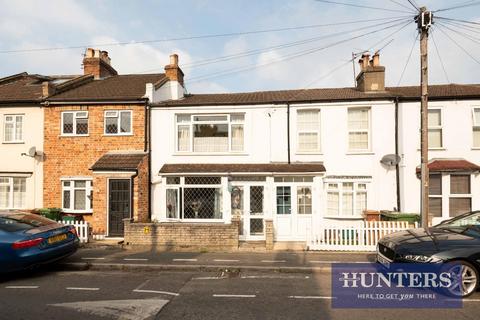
x: 384, y: 261
x: 57, y: 238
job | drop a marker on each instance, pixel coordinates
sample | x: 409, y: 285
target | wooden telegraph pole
x: 424, y: 21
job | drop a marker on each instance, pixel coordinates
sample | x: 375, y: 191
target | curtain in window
x: 19, y: 192
x: 358, y: 140
x: 457, y: 206
x: 435, y: 184
x: 460, y: 184
x: 19, y: 128
x: 308, y: 127
x: 476, y: 128
x: 333, y: 207
x: 358, y: 119
x: 434, y: 129
x: 237, y: 137
x: 8, y: 129
x: 125, y: 122
x: 361, y: 203
x: 435, y: 207
x: 67, y: 122
x: 79, y: 201
x: 183, y: 138
x: 172, y: 203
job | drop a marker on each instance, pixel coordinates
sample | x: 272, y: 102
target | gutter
x: 397, y: 166
x: 148, y: 149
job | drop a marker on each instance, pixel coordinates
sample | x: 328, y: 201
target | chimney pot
x: 376, y: 59
x: 174, y: 59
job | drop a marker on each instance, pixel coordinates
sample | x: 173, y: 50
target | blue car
x: 29, y: 240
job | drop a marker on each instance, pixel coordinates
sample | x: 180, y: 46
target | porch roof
x: 242, y: 168
x: 451, y: 165
x: 119, y: 161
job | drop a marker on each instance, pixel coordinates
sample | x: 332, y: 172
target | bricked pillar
x: 269, y: 234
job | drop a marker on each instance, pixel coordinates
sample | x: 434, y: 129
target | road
x: 189, y: 295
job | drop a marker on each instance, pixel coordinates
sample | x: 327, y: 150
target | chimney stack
x: 173, y: 71
x: 48, y: 89
x: 97, y: 63
x: 372, y: 74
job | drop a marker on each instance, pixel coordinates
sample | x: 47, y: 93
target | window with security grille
x: 13, y: 191
x: 13, y: 128
x: 118, y: 122
x: 359, y: 129
x: 75, y: 123
x: 284, y: 200
x: 435, y: 128
x: 77, y: 196
x: 206, y: 133
x: 308, y: 130
x: 346, y: 199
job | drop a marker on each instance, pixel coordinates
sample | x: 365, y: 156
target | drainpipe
x: 148, y: 149
x: 397, y: 166
x: 288, y: 131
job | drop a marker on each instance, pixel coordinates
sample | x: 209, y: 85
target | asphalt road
x: 189, y: 295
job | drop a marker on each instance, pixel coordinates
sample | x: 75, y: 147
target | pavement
x: 115, y: 258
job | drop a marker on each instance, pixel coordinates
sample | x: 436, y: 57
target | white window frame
x: 75, y: 117
x: 318, y: 132
x: 88, y: 191
x: 10, y: 195
x: 117, y: 115
x: 339, y: 190
x: 191, y: 124
x: 439, y: 127
x: 14, y: 122
x: 475, y: 127
x: 368, y: 130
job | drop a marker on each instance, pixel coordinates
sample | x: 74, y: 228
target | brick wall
x: 183, y: 236
x: 140, y: 193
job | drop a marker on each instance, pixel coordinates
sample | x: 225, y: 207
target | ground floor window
x: 346, y: 199
x: 452, y: 188
x: 77, y: 196
x: 284, y: 200
x: 13, y: 192
x: 194, y: 198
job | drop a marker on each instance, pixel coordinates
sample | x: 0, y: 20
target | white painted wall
x: 11, y: 159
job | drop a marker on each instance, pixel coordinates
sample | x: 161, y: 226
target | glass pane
x: 284, y: 200
x: 361, y: 203
x: 435, y: 207
x: 237, y: 201
x: 237, y: 117
x: 460, y: 184
x: 209, y: 118
x: 434, y: 118
x: 19, y: 128
x: 172, y: 203
x: 19, y: 192
x: 82, y: 114
x: 308, y: 141
x: 237, y: 137
x: 111, y: 126
x: 173, y: 180
x: 183, y: 118
x: 111, y: 114
x: 435, y: 184
x: 358, y: 140
x: 304, y: 200
x: 203, y: 180
x: 68, y: 122
x: 476, y: 116
x: 183, y: 138
x: 256, y: 200
x: 347, y: 202
x: 434, y: 138
x: 347, y: 186
x: 82, y: 126
x: 8, y: 132
x: 476, y: 137
x: 358, y: 119
x: 308, y: 120
x: 4, y: 192
x: 66, y: 199
x: 459, y: 206
x: 125, y: 122
x: 80, y: 199
x: 361, y: 186
x: 256, y: 226
x: 210, y: 138
x: 332, y: 186
x: 332, y: 199
x: 202, y: 203
x: 80, y: 184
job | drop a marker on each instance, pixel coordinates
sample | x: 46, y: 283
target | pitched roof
x: 456, y: 91
x: 118, y: 161
x: 115, y: 88
x: 209, y: 168
x: 451, y: 165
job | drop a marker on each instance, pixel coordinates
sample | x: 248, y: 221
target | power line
x: 414, y: 5
x: 403, y: 6
x: 440, y: 57
x: 125, y: 43
x: 462, y: 5
x: 362, y: 6
x: 408, y: 59
x: 458, y: 45
x: 467, y: 36
x: 462, y: 26
x: 458, y: 20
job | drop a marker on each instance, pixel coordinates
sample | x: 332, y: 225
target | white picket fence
x: 355, y: 238
x: 81, y: 227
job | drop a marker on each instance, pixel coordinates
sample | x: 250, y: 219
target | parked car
x: 28, y: 240
x: 456, y: 240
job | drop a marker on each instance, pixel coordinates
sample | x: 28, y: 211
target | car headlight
x: 421, y: 258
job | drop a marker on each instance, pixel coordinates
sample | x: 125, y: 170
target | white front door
x: 248, y: 203
x: 293, y: 214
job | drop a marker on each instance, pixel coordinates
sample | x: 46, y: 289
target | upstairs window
x: 308, y: 130
x: 476, y: 127
x: 118, y: 122
x: 13, y: 128
x: 435, y: 128
x: 359, y: 129
x: 75, y: 123
x: 210, y: 133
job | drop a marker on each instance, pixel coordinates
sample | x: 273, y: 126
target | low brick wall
x: 178, y: 236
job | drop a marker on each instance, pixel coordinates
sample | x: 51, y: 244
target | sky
x: 32, y: 24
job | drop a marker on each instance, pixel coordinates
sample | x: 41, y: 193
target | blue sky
x: 59, y: 23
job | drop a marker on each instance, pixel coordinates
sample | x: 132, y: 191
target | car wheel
x: 464, y: 279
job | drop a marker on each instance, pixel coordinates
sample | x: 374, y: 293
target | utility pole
x: 424, y: 21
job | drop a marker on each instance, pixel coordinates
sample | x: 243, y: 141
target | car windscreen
x: 22, y: 222
x: 463, y: 221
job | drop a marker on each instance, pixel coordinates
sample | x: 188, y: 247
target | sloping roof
x: 451, y: 165
x: 456, y: 91
x: 116, y: 161
x: 115, y: 88
x: 209, y: 168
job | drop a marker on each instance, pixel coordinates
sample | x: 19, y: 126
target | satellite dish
x: 32, y: 152
x: 390, y: 160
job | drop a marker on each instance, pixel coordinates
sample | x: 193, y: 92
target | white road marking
x: 185, y: 260
x: 21, y: 287
x: 225, y: 260
x: 82, y: 289
x: 93, y: 258
x: 135, y: 259
x: 347, y: 262
x: 209, y: 278
x: 274, y: 277
x: 233, y: 295
x: 273, y: 261
x: 311, y: 297
x: 155, y: 291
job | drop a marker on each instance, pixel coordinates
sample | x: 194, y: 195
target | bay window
x: 346, y: 199
x: 210, y: 133
x: 77, y: 196
x: 452, y: 191
x: 75, y: 123
x: 13, y: 128
x: 359, y: 129
x: 308, y: 130
x: 13, y: 192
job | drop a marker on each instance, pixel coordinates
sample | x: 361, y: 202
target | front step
x: 252, y: 245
